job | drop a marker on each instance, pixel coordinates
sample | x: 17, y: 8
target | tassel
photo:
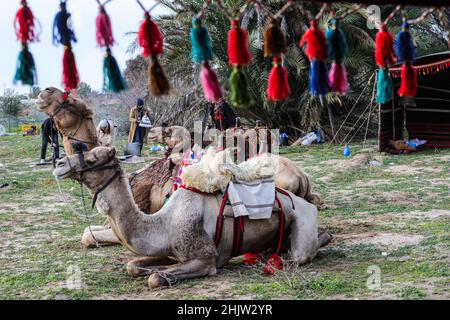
x: 26, y: 70
x: 112, y: 77
x: 318, y: 78
x: 238, y: 45
x: 239, y: 95
x: 210, y: 83
x: 316, y: 42
x: 159, y: 85
x: 385, y: 91
x: 337, y: 42
x: 61, y: 31
x: 70, y: 72
x: 201, y: 42
x: 384, y: 52
x: 278, y: 88
x: 252, y: 258
x: 337, y: 78
x: 150, y: 38
x: 408, y: 86
x: 104, y: 33
x: 273, y: 264
x: 404, y: 45
x: 274, y: 40
x: 24, y: 24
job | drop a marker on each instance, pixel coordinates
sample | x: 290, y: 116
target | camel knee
x: 315, y: 199
x: 134, y: 270
x: 156, y: 280
x: 87, y: 240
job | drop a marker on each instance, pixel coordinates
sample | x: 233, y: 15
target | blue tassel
x: 318, y: 78
x: 61, y: 31
x: 404, y: 45
x: 201, y: 42
x: 385, y: 91
x: 347, y: 152
x: 337, y: 42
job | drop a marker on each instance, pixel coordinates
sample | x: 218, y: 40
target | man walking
x: 138, y: 121
x: 49, y: 135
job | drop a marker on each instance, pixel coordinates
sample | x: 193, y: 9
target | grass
x: 397, y: 221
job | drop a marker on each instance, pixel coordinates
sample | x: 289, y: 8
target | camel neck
x: 140, y: 233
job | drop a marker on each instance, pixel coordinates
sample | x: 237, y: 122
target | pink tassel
x: 252, y: 258
x: 273, y: 264
x: 337, y: 79
x: 210, y: 83
x: 103, y: 29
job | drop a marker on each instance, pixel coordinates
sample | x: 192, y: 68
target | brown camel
x: 184, y: 228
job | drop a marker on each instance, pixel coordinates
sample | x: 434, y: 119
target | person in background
x: 49, y: 135
x: 106, y: 133
x: 223, y: 117
x: 138, y: 133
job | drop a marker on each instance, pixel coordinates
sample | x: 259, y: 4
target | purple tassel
x: 337, y: 78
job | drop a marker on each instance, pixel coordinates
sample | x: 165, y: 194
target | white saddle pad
x: 253, y: 199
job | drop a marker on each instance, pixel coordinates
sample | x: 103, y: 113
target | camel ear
x: 111, y: 152
x: 168, y: 131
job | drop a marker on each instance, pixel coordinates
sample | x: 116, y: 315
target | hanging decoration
x: 278, y: 88
x: 385, y: 90
x: 425, y: 69
x: 316, y: 50
x: 112, y: 77
x: 238, y: 55
x: 337, y: 52
x: 63, y: 34
x: 202, y: 52
x: 151, y: 41
x: 25, y: 25
x: 406, y: 54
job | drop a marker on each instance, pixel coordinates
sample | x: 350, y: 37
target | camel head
x: 50, y: 101
x: 87, y: 166
x: 174, y: 136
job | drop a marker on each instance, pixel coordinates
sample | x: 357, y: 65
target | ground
x: 390, y: 225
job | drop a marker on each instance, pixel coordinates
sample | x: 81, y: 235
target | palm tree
x: 301, y: 112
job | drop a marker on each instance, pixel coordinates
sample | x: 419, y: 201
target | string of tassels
x: 151, y: 41
x: 63, y: 34
x: 337, y: 52
x: 25, y: 25
x: 112, y: 77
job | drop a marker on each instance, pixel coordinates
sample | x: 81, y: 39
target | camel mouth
x: 41, y: 104
x: 61, y: 173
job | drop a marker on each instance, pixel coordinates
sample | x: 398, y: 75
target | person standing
x: 223, y: 117
x: 49, y: 135
x: 138, y: 133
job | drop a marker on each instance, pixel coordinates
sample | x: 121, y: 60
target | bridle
x: 100, y: 167
x: 65, y: 104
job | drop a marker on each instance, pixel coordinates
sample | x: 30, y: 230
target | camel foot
x: 324, y: 239
x: 155, y: 281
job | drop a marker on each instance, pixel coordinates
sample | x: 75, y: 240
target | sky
x: 126, y: 16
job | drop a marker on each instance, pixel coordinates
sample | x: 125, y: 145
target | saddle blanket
x: 254, y: 199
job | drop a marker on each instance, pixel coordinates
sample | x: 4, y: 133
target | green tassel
x: 26, y: 69
x: 201, y: 42
x: 385, y: 91
x: 112, y: 77
x: 238, y: 88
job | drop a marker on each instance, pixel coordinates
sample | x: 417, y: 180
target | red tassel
x: 210, y: 83
x: 24, y: 24
x: 103, y: 29
x: 384, y: 50
x: 273, y: 264
x: 408, y: 87
x: 252, y: 258
x: 316, y: 42
x: 70, y: 72
x: 238, y: 45
x: 278, y: 88
x: 150, y: 38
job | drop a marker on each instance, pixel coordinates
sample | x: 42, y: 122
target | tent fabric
x: 427, y: 116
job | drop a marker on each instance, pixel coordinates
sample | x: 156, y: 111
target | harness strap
x: 196, y: 190
x: 107, y: 183
x: 281, y: 228
x: 219, y: 224
x: 284, y: 192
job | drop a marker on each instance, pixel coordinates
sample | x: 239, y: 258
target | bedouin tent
x: 427, y: 116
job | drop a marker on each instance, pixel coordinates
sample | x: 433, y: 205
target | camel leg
x: 141, y: 266
x: 187, y: 270
x: 104, y: 237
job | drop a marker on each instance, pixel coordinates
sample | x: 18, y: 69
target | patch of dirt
x: 432, y: 214
x: 371, y: 183
x: 344, y: 165
x: 403, y: 169
x: 385, y: 240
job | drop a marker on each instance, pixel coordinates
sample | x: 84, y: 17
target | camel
x: 185, y: 226
x: 152, y: 184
